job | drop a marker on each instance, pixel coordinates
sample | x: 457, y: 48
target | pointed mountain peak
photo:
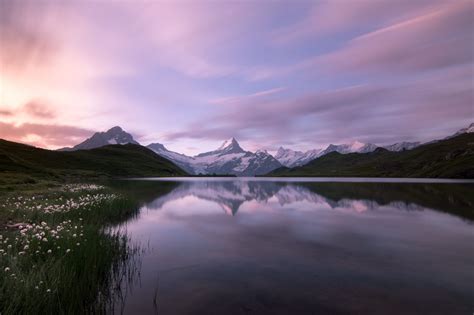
x: 229, y: 142
x: 230, y: 146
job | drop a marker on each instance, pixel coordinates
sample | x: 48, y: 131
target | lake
x: 301, y: 246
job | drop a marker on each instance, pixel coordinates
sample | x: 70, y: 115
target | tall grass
x: 57, y: 254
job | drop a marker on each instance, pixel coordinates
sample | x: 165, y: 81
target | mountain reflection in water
x: 457, y: 199
x: 240, y: 246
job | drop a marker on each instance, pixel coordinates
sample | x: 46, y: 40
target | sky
x: 190, y: 74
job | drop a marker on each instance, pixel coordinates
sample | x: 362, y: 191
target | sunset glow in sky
x: 191, y: 74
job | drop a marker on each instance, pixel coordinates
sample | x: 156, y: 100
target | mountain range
x: 452, y: 157
x: 231, y: 159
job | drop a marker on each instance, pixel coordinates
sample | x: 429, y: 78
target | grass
x: 57, y: 253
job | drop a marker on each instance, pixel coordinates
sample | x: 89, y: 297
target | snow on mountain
x: 115, y: 135
x: 468, y: 129
x: 229, y: 158
x: 401, y: 146
x: 287, y: 157
x: 291, y: 158
x: 228, y: 147
x: 308, y: 156
x: 354, y: 147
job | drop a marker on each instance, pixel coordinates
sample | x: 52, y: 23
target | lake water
x: 312, y: 246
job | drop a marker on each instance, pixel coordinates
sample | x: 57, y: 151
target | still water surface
x: 251, y: 246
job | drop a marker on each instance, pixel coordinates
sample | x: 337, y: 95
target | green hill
x: 23, y: 164
x: 451, y: 158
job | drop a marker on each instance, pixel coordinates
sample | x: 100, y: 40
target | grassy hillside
x: 20, y: 163
x: 452, y: 158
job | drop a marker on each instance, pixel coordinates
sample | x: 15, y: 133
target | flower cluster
x: 43, y: 240
x: 81, y: 187
x: 57, y: 204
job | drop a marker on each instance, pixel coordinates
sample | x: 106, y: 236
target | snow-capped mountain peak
x: 230, y: 146
x: 356, y: 146
x: 229, y: 158
x: 228, y: 142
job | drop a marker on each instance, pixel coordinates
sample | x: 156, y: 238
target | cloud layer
x: 302, y: 74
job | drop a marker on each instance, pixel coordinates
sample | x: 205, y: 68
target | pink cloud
x: 5, y: 112
x: 37, y: 109
x: 43, y: 135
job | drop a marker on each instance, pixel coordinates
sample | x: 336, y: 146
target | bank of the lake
x: 56, y: 253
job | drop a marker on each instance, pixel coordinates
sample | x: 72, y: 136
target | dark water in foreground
x: 232, y: 246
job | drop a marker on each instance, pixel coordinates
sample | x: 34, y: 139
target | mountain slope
x: 469, y: 129
x: 115, y: 135
x: 451, y: 158
x: 353, y: 147
x: 109, y: 161
x: 291, y: 158
x: 401, y: 146
x: 182, y: 160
